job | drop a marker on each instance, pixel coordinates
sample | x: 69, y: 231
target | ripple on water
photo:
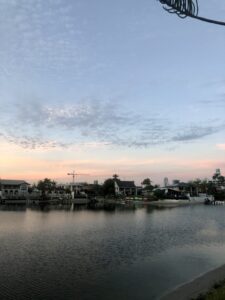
x: 135, y: 254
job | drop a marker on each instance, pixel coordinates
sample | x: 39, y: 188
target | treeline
x: 215, y: 187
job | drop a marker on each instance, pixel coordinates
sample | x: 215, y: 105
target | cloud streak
x: 195, y: 132
x: 49, y: 38
x: 91, y: 122
x: 102, y: 122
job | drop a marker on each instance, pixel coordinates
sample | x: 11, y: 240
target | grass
x: 217, y: 292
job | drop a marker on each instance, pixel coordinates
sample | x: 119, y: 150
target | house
x: 13, y: 188
x: 179, y: 186
x: 92, y: 189
x: 126, y: 188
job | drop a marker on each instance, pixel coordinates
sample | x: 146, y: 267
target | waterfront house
x: 189, y: 189
x: 13, y: 188
x: 125, y: 188
x: 167, y: 193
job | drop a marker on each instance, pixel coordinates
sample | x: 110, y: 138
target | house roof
x: 12, y: 182
x: 126, y: 184
x: 180, y: 184
x: 166, y: 189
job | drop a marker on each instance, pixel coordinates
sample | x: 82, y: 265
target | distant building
x: 166, y: 182
x: 77, y: 187
x: 184, y: 188
x: 176, y: 181
x: 126, y: 188
x: 13, y: 188
x: 169, y: 193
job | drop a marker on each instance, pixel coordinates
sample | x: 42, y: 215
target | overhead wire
x: 186, y: 8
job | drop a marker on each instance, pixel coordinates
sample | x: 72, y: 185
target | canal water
x: 127, y: 253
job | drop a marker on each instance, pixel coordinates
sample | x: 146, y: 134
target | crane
x: 73, y: 174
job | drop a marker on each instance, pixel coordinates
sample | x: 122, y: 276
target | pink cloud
x: 221, y: 146
x: 35, y: 165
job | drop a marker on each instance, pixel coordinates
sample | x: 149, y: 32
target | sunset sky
x: 104, y: 87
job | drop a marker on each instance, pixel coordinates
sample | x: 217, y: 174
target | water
x: 133, y: 253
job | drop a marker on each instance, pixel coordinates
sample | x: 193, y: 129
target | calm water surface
x: 129, y: 253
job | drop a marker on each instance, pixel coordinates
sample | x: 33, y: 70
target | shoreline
x: 197, y: 286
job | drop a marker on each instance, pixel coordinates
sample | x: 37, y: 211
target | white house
x: 13, y: 188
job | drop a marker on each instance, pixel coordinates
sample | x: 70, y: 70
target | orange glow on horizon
x: 34, y: 165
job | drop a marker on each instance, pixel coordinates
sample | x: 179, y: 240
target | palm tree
x: 115, y: 176
x: 186, y: 8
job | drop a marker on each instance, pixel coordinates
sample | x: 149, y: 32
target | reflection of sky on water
x: 135, y: 253
x: 156, y: 276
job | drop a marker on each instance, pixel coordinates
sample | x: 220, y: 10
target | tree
x: 215, y: 176
x: 204, y: 186
x: 159, y: 194
x: 211, y: 188
x: 98, y: 189
x: 115, y: 176
x: 31, y: 188
x: 146, y: 181
x: 109, y: 187
x: 197, y: 186
x: 186, y: 8
x: 147, y: 184
x: 46, y: 185
x: 221, y: 179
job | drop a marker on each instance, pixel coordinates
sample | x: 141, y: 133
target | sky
x: 105, y: 87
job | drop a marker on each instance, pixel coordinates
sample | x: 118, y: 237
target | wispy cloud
x: 195, y: 132
x: 104, y: 122
x: 92, y: 122
x: 38, y: 36
x: 219, y: 101
x: 29, y: 142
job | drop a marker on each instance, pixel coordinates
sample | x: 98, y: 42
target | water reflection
x: 46, y: 207
x: 13, y: 208
x: 128, y: 251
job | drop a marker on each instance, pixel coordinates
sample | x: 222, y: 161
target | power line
x: 186, y: 8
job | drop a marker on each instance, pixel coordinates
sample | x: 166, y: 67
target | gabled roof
x: 12, y: 182
x: 125, y: 184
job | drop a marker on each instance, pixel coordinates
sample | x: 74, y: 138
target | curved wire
x: 182, y: 8
x: 186, y: 8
